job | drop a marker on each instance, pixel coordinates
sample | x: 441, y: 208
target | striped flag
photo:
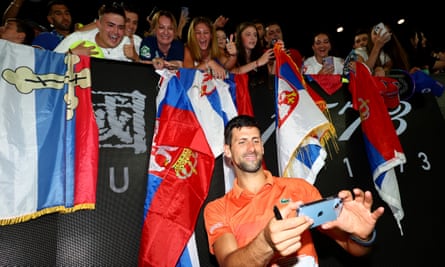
x: 240, y: 88
x: 46, y: 109
x: 381, y: 141
x: 302, y: 128
x: 193, y: 109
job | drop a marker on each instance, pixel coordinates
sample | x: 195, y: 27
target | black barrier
x: 124, y: 98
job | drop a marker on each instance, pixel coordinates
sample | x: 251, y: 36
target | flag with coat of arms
x: 303, y: 130
x: 192, y: 111
x: 382, y: 144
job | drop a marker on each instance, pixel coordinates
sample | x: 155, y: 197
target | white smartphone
x: 321, y: 211
x: 378, y: 27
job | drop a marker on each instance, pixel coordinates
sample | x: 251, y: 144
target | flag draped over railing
x: 381, y: 141
x: 330, y: 83
x: 192, y: 111
x: 302, y: 128
x: 46, y: 110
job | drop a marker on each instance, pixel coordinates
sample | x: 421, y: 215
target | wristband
x: 365, y: 243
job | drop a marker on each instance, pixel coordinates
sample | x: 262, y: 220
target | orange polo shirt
x: 245, y: 214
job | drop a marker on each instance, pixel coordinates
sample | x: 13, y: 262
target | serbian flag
x: 301, y: 125
x: 191, y: 115
x: 239, y: 87
x: 381, y: 141
x: 46, y: 109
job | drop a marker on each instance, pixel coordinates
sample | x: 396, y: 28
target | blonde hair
x: 192, y: 43
x: 155, y: 21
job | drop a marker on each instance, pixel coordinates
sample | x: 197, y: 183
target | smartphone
x: 378, y: 27
x: 185, y: 11
x: 272, y: 42
x: 321, y: 211
x: 328, y: 60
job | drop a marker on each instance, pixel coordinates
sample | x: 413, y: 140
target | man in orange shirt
x: 241, y: 226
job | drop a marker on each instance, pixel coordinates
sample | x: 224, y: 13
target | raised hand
x: 130, y: 50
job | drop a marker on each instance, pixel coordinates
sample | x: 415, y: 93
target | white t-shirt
x: 383, y: 57
x: 116, y: 53
x: 311, y: 65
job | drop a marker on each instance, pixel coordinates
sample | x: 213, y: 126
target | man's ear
x: 50, y: 20
x: 227, y: 152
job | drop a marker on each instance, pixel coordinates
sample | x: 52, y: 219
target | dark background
x: 299, y: 20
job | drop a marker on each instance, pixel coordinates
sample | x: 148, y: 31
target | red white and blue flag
x: 239, y: 89
x: 192, y: 111
x: 46, y: 109
x: 302, y: 128
x: 381, y: 141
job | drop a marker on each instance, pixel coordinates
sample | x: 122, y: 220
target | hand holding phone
x: 321, y: 211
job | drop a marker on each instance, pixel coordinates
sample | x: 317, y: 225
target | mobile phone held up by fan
x: 185, y: 11
x: 380, y: 29
x: 328, y: 60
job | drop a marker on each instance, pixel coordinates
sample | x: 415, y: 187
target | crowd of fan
x: 207, y: 45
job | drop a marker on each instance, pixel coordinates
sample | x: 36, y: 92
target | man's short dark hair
x: 130, y: 7
x: 55, y: 2
x: 114, y: 8
x: 24, y: 27
x: 238, y: 122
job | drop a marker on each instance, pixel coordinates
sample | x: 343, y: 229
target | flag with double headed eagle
x: 382, y: 144
x: 46, y: 109
x: 192, y: 111
x: 303, y: 130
